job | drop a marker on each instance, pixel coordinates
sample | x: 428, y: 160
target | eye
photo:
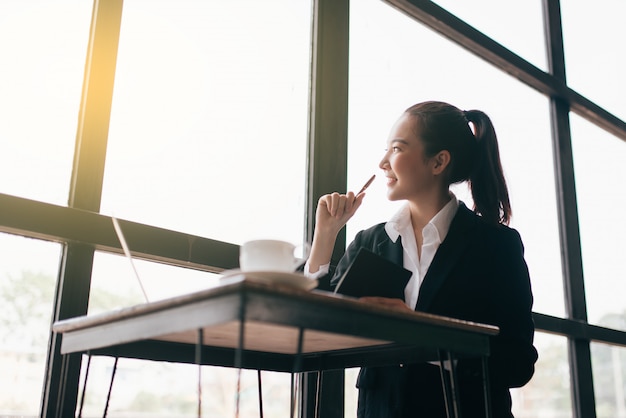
x: 393, y: 149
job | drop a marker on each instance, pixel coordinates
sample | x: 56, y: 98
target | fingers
x: 339, y: 205
x: 334, y: 211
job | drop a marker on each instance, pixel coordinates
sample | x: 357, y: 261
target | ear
x: 440, y: 162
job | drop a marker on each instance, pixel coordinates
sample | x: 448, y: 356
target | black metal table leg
x: 238, y: 363
x: 258, y: 372
x: 199, y: 363
x: 486, y: 388
x: 297, y: 365
x: 82, y: 396
x: 106, y: 406
x: 450, y: 384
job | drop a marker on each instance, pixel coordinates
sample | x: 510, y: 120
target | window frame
x: 82, y: 230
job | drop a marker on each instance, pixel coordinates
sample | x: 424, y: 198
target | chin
x: 393, y: 196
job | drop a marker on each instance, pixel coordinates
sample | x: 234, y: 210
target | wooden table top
x: 270, y: 318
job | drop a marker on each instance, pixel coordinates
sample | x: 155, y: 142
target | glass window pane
x: 352, y: 393
x: 600, y: 175
x: 548, y: 393
x: 593, y: 35
x: 27, y: 283
x: 609, y: 379
x: 42, y: 61
x: 209, y: 120
x: 160, y: 389
x: 174, y: 392
x: 518, y: 26
x: 115, y: 285
x: 385, y: 79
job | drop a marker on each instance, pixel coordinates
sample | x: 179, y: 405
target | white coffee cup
x: 269, y: 255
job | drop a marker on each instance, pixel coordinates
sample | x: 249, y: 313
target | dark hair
x: 474, y: 156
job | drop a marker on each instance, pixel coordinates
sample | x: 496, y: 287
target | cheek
x: 404, y: 165
x: 397, y: 162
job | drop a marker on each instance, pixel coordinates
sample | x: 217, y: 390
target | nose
x: 384, y: 163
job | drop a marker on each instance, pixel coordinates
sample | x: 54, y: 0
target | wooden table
x: 249, y: 324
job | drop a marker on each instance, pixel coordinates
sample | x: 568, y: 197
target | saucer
x: 285, y: 278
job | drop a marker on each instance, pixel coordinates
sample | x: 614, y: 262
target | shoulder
x: 374, y: 238
x: 373, y: 231
x: 371, y: 236
x: 494, y: 234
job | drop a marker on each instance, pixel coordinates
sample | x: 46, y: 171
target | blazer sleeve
x: 513, y: 355
x: 487, y: 281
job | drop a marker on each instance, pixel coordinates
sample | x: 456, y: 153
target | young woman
x: 466, y: 263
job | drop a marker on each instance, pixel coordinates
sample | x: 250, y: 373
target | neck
x: 423, y: 210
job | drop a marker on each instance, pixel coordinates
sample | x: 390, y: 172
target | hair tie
x: 471, y: 124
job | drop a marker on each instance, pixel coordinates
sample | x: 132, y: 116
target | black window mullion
x: 72, y: 295
x: 328, y: 118
x: 581, y: 376
x: 327, y: 161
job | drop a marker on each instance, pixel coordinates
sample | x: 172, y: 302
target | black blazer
x: 478, y: 274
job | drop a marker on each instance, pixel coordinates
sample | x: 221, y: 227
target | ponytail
x: 474, y: 156
x: 486, y: 180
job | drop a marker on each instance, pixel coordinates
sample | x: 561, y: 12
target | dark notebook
x: 373, y: 275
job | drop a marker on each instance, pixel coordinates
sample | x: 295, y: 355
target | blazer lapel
x: 449, y: 251
x: 392, y: 251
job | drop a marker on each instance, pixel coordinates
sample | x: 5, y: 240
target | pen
x: 366, y: 185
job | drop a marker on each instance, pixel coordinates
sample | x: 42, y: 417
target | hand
x: 388, y: 302
x: 335, y: 210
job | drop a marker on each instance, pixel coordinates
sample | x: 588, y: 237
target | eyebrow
x: 403, y: 141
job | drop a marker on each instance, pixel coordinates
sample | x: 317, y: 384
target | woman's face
x: 410, y: 174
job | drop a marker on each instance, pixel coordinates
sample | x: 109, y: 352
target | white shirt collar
x: 436, y: 229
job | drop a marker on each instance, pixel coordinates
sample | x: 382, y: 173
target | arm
x: 490, y: 284
x: 333, y: 212
x: 513, y: 354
